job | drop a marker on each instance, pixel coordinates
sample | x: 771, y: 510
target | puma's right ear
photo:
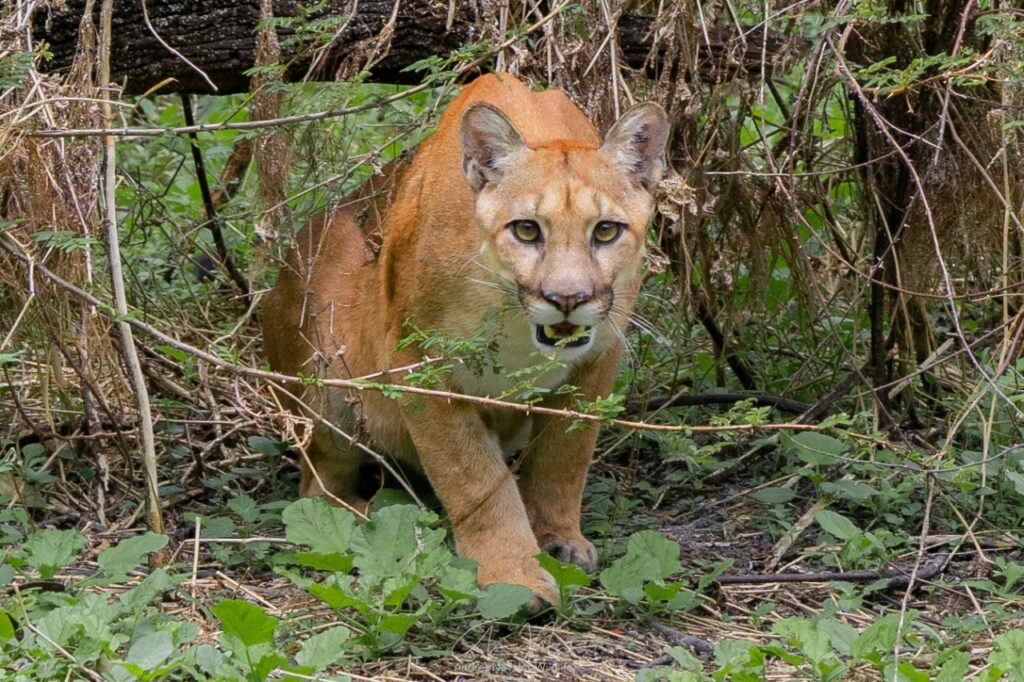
x: 490, y: 143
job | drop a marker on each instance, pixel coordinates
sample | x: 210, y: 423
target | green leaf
x: 395, y: 542
x: 312, y: 522
x: 1010, y: 572
x: 842, y: 634
x: 125, y: 556
x: 266, y: 447
x: 650, y: 556
x: 955, y: 669
x: 50, y: 550
x: 1008, y: 652
x: 152, y: 586
x: 324, y: 648
x: 566, y: 575
x: 458, y: 583
x: 502, y: 601
x: 774, y: 495
x: 815, y: 448
x: 336, y: 563
x: 149, y: 651
x: 806, y: 636
x: 172, y: 352
x: 836, y: 525
x: 248, y: 622
x: 1017, y: 480
x: 245, y: 507
x: 7, y: 630
x: 851, y: 490
x: 880, y: 636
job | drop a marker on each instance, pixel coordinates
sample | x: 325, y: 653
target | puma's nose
x: 566, y: 302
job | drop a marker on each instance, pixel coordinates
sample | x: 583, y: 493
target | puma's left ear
x: 489, y: 145
x: 637, y: 143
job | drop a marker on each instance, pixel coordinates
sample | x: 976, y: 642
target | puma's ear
x: 637, y: 143
x: 490, y: 143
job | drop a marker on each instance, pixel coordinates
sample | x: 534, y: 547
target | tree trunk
x: 218, y: 37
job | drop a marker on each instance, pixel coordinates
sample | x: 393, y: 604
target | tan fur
x: 448, y: 258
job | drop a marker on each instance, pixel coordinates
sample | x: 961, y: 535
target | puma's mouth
x: 551, y: 334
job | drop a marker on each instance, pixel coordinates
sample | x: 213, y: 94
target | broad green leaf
x: 457, y: 583
x: 248, y: 622
x: 815, y: 448
x: 153, y: 585
x: 149, y: 651
x: 503, y: 601
x: 836, y: 525
x: 7, y: 630
x: 324, y: 648
x: 1017, y: 480
x: 1008, y: 653
x: 398, y: 623
x: 245, y: 507
x: 880, y: 636
x: 125, y: 556
x: 955, y: 669
x: 209, y: 658
x: 685, y: 658
x: 1010, y: 572
x: 566, y: 575
x: 650, y: 556
x: 266, y: 446
x: 805, y: 636
x: 394, y: 540
x: 50, y: 550
x: 312, y: 522
x: 906, y: 672
x: 851, y: 490
x: 842, y: 634
x: 339, y: 563
x: 774, y: 495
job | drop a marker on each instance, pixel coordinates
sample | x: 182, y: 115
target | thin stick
x: 131, y: 357
x: 179, y: 55
x: 213, y: 220
x: 195, y: 554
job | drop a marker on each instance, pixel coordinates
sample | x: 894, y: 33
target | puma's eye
x: 526, y: 231
x: 606, y: 232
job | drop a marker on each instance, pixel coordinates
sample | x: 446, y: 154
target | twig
x: 195, y: 553
x: 797, y: 529
x: 897, y: 577
x: 131, y: 356
x: 176, y: 53
x: 91, y: 674
x: 213, y: 221
x: 700, y: 646
x: 761, y: 400
x: 721, y: 345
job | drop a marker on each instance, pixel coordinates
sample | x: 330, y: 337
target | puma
x: 513, y: 212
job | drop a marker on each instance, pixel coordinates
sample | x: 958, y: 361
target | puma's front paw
x: 571, y: 550
x: 528, y: 573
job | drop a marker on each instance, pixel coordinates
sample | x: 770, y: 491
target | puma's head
x: 564, y: 223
